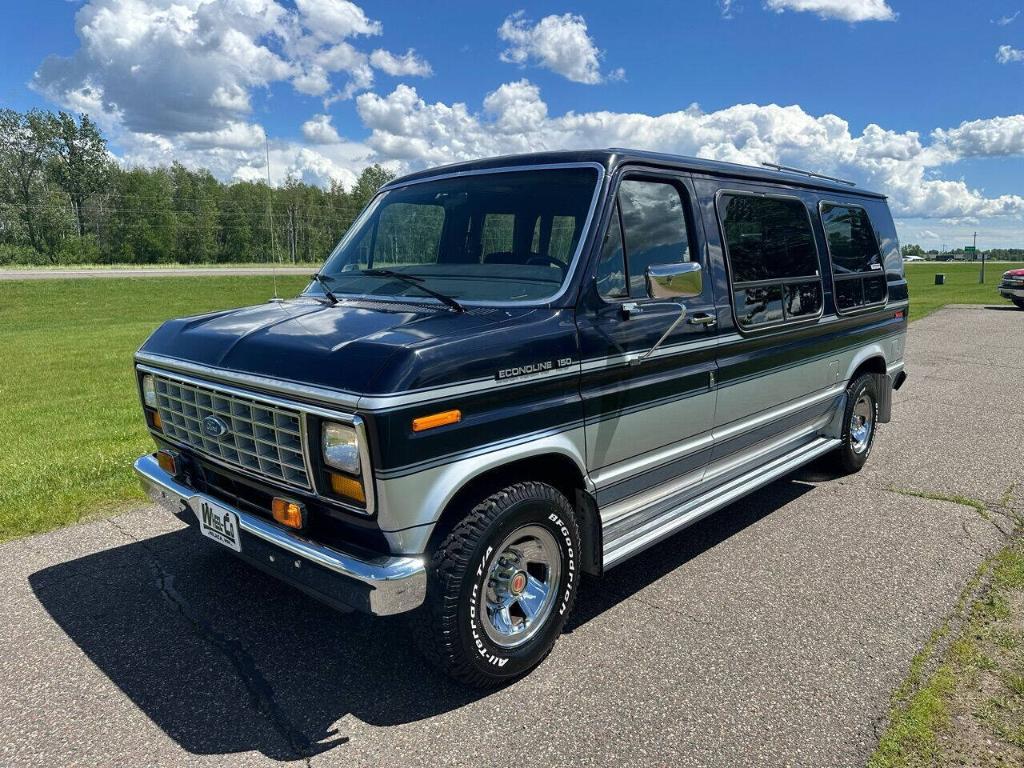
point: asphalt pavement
(770, 634)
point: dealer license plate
(217, 522)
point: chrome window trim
(758, 330)
(574, 262)
(304, 411)
(828, 249)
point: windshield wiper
(415, 282)
(322, 280)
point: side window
(611, 269)
(654, 226)
(560, 237)
(856, 262)
(648, 227)
(772, 257)
(497, 234)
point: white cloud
(336, 19)
(1008, 54)
(175, 79)
(318, 130)
(406, 64)
(729, 8)
(927, 234)
(844, 10)
(559, 43)
(993, 137)
(1002, 21)
(407, 129)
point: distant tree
(26, 144)
(370, 180)
(912, 250)
(80, 162)
(196, 200)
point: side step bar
(673, 520)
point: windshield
(494, 237)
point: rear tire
(1019, 303)
(859, 421)
(501, 586)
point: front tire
(1018, 302)
(501, 586)
(859, 421)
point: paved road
(75, 274)
(769, 635)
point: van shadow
(225, 659)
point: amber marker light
(348, 487)
(442, 419)
(167, 461)
(157, 422)
(287, 512)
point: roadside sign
(970, 249)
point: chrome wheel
(862, 421)
(519, 593)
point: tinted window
(468, 237)
(407, 234)
(655, 228)
(773, 259)
(767, 238)
(856, 261)
(497, 235)
(851, 240)
(611, 269)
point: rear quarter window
(857, 269)
(773, 259)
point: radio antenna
(270, 217)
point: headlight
(149, 390)
(340, 447)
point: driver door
(649, 422)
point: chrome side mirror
(674, 281)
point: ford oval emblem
(214, 426)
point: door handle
(703, 318)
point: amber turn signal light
(436, 420)
(155, 420)
(348, 487)
(168, 462)
(288, 512)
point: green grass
(961, 286)
(70, 422)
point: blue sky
(919, 99)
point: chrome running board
(674, 519)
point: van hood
(356, 346)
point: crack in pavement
(261, 692)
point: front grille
(261, 438)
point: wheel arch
(561, 469)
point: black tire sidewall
(493, 660)
(863, 384)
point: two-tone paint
(650, 447)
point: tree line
(65, 200)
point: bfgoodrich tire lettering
(463, 569)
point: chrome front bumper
(381, 586)
(1012, 293)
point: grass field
(70, 424)
(69, 414)
(961, 286)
